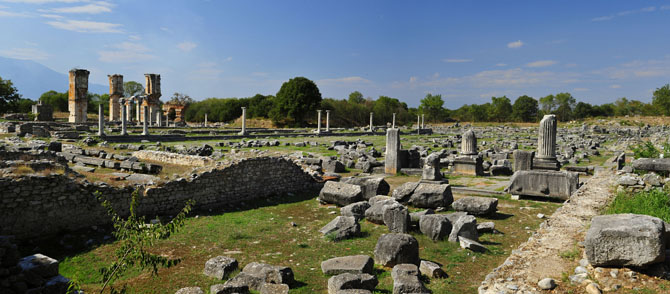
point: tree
(260, 105)
(132, 88)
(431, 105)
(180, 99)
(501, 109)
(9, 95)
(297, 98)
(57, 100)
(661, 100)
(356, 97)
(548, 104)
(172, 114)
(525, 109)
(582, 110)
(565, 103)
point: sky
(466, 51)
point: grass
(262, 232)
(654, 202)
(572, 254)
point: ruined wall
(152, 90)
(33, 206)
(173, 158)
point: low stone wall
(173, 158)
(33, 206)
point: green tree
(583, 110)
(525, 109)
(297, 98)
(260, 105)
(179, 98)
(661, 100)
(501, 109)
(548, 104)
(431, 105)
(356, 97)
(565, 103)
(57, 100)
(9, 95)
(132, 88)
(24, 105)
(172, 114)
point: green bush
(655, 202)
(646, 150)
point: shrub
(654, 202)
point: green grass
(655, 202)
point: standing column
(318, 123)
(423, 125)
(145, 129)
(151, 116)
(418, 124)
(546, 145)
(371, 127)
(469, 143)
(159, 120)
(391, 160)
(124, 132)
(205, 120)
(101, 121)
(137, 112)
(244, 121)
(327, 120)
(393, 124)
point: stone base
(242, 133)
(546, 164)
(544, 183)
(467, 165)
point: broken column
(327, 120)
(152, 90)
(393, 124)
(244, 121)
(545, 158)
(138, 107)
(423, 125)
(318, 123)
(145, 125)
(469, 162)
(391, 160)
(101, 120)
(77, 102)
(115, 93)
(129, 109)
(418, 124)
(371, 125)
(124, 120)
(43, 112)
(160, 118)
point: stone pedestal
(523, 160)
(544, 183)
(392, 160)
(115, 93)
(431, 169)
(545, 158)
(468, 165)
(77, 102)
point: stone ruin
(43, 112)
(469, 163)
(545, 158)
(77, 102)
(115, 93)
(152, 90)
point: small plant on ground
(654, 202)
(135, 237)
(646, 150)
(571, 254)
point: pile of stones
(31, 274)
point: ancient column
(77, 102)
(418, 124)
(101, 120)
(137, 108)
(371, 126)
(545, 158)
(423, 125)
(318, 123)
(151, 117)
(152, 91)
(393, 124)
(327, 120)
(145, 126)
(115, 93)
(244, 121)
(129, 110)
(469, 143)
(160, 118)
(124, 131)
(391, 159)
(205, 120)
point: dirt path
(539, 257)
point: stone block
(370, 186)
(394, 248)
(357, 210)
(476, 205)
(468, 165)
(523, 160)
(552, 184)
(396, 218)
(652, 164)
(355, 264)
(342, 227)
(404, 191)
(220, 267)
(431, 196)
(349, 281)
(435, 226)
(340, 193)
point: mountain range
(32, 78)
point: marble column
(101, 121)
(145, 128)
(137, 112)
(318, 123)
(418, 124)
(205, 120)
(371, 126)
(327, 120)
(393, 123)
(545, 158)
(159, 119)
(423, 125)
(244, 121)
(391, 159)
(469, 143)
(124, 114)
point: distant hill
(32, 78)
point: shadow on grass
(498, 216)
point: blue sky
(467, 51)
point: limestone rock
(435, 226)
(270, 273)
(406, 279)
(431, 269)
(340, 193)
(476, 205)
(485, 227)
(375, 213)
(432, 196)
(471, 244)
(652, 164)
(220, 267)
(370, 186)
(342, 227)
(415, 217)
(351, 281)
(39, 265)
(547, 284)
(625, 240)
(270, 288)
(332, 166)
(396, 218)
(464, 226)
(234, 285)
(355, 264)
(190, 290)
(357, 210)
(544, 183)
(394, 248)
(404, 191)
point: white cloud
(343, 81)
(627, 12)
(541, 63)
(164, 29)
(4, 13)
(98, 7)
(84, 26)
(125, 52)
(515, 44)
(134, 37)
(615, 86)
(456, 60)
(186, 46)
(637, 69)
(25, 53)
(53, 16)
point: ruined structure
(469, 162)
(77, 103)
(152, 90)
(391, 160)
(115, 93)
(43, 112)
(545, 158)
(244, 122)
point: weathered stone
(370, 186)
(652, 164)
(485, 227)
(431, 196)
(392, 159)
(40, 265)
(77, 99)
(393, 248)
(432, 269)
(415, 217)
(332, 166)
(190, 290)
(342, 227)
(523, 160)
(546, 183)
(355, 264)
(270, 288)
(357, 210)
(396, 218)
(625, 240)
(652, 179)
(476, 205)
(270, 273)
(404, 191)
(468, 165)
(464, 226)
(220, 267)
(375, 214)
(435, 226)
(473, 245)
(340, 193)
(546, 145)
(628, 180)
(406, 279)
(238, 284)
(351, 281)
(547, 284)
(431, 168)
